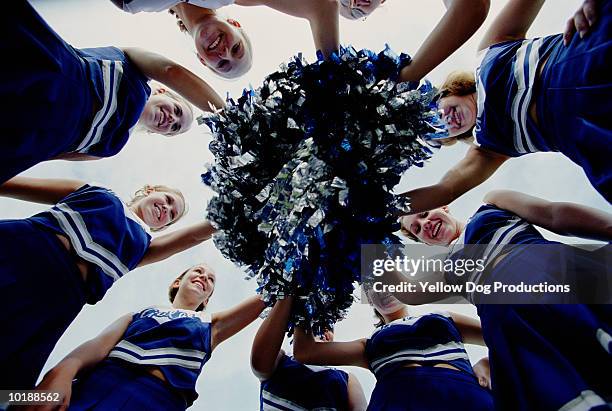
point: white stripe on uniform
(109, 106)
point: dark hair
(172, 290)
(457, 83)
(381, 319)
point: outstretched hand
(483, 372)
(582, 21)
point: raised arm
(39, 190)
(512, 22)
(559, 217)
(356, 397)
(475, 168)
(167, 245)
(229, 322)
(469, 327)
(59, 378)
(266, 349)
(323, 16)
(177, 77)
(308, 351)
(459, 23)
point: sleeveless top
(102, 231)
(178, 342)
(136, 6)
(505, 84)
(495, 231)
(298, 387)
(428, 339)
(120, 92)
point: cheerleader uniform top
(136, 6)
(298, 387)
(428, 339)
(102, 231)
(177, 342)
(505, 84)
(495, 230)
(120, 92)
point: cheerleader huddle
(526, 95)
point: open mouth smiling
(436, 229)
(212, 46)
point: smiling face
(195, 286)
(435, 227)
(166, 115)
(358, 9)
(385, 303)
(223, 46)
(459, 113)
(159, 208)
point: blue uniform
(62, 99)
(298, 387)
(177, 342)
(428, 340)
(572, 98)
(41, 288)
(543, 357)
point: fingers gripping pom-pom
(303, 172)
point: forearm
(269, 339)
(429, 198)
(325, 29)
(512, 22)
(175, 76)
(192, 87)
(563, 218)
(39, 190)
(229, 322)
(167, 245)
(459, 23)
(581, 221)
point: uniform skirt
(431, 389)
(45, 89)
(574, 105)
(41, 292)
(547, 356)
(116, 386)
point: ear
(159, 90)
(148, 189)
(446, 209)
(176, 283)
(234, 23)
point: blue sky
(226, 382)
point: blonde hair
(458, 83)
(148, 188)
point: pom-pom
(304, 171)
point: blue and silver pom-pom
(304, 169)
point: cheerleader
(543, 357)
(420, 362)
(222, 44)
(529, 95)
(71, 255)
(82, 104)
(151, 360)
(288, 384)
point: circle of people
(527, 95)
